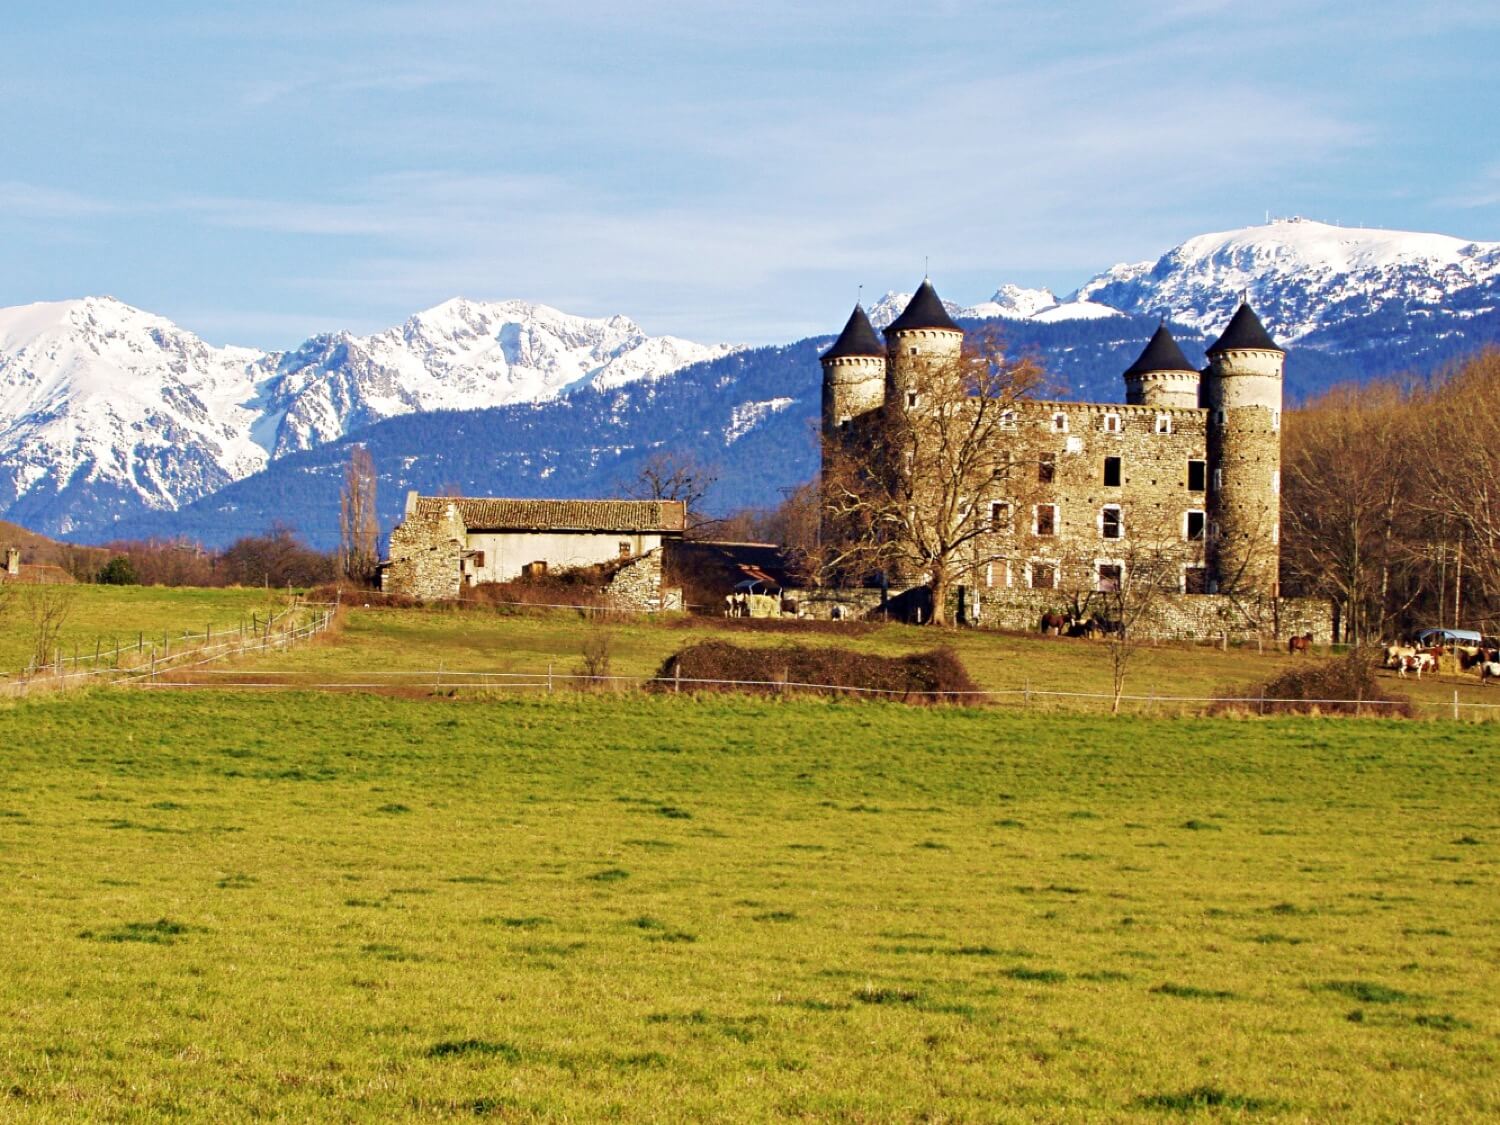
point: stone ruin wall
(425, 556)
(637, 586)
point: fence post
(1027, 693)
(549, 677)
(676, 677)
(1455, 704)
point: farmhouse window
(1109, 577)
(1110, 524)
(1193, 528)
(997, 573)
(478, 560)
(999, 516)
(1043, 576)
(1059, 423)
(1111, 472)
(1197, 475)
(1164, 423)
(624, 548)
(1046, 519)
(1195, 580)
(1046, 467)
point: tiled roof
(484, 513)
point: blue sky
(723, 171)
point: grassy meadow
(470, 640)
(126, 615)
(355, 907)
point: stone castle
(1194, 454)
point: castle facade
(1191, 456)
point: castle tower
(922, 335)
(853, 373)
(1242, 391)
(1162, 376)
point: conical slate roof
(1245, 331)
(925, 310)
(1161, 354)
(857, 339)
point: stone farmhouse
(1192, 455)
(446, 543)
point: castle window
(1110, 424)
(1007, 419)
(1195, 580)
(911, 398)
(1046, 519)
(1164, 423)
(1046, 467)
(1192, 527)
(1042, 576)
(999, 516)
(1111, 472)
(1197, 475)
(1111, 524)
(1109, 577)
(1059, 423)
(844, 422)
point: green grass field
(128, 615)
(452, 641)
(353, 907)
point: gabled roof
(1245, 332)
(484, 513)
(857, 339)
(924, 310)
(1161, 354)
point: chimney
(13, 561)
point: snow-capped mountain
(1013, 302)
(1306, 278)
(459, 355)
(106, 409)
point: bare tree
(359, 526)
(911, 490)
(46, 607)
(675, 476)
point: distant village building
(448, 542)
(1197, 452)
(32, 574)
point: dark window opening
(1043, 576)
(1046, 468)
(478, 560)
(911, 398)
(999, 516)
(1046, 519)
(624, 548)
(1109, 577)
(1195, 580)
(1109, 523)
(1195, 524)
(1111, 472)
(1197, 475)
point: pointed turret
(1162, 375)
(857, 339)
(924, 310)
(1244, 332)
(853, 373)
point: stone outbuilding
(445, 543)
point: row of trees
(1391, 504)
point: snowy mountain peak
(1300, 275)
(1016, 302)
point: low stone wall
(1173, 617)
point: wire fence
(550, 680)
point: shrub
(119, 571)
(1346, 685)
(917, 678)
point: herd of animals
(1409, 658)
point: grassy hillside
(653, 909)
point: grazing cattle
(1418, 662)
(1053, 623)
(1489, 670)
(1300, 646)
(1396, 655)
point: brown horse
(1299, 646)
